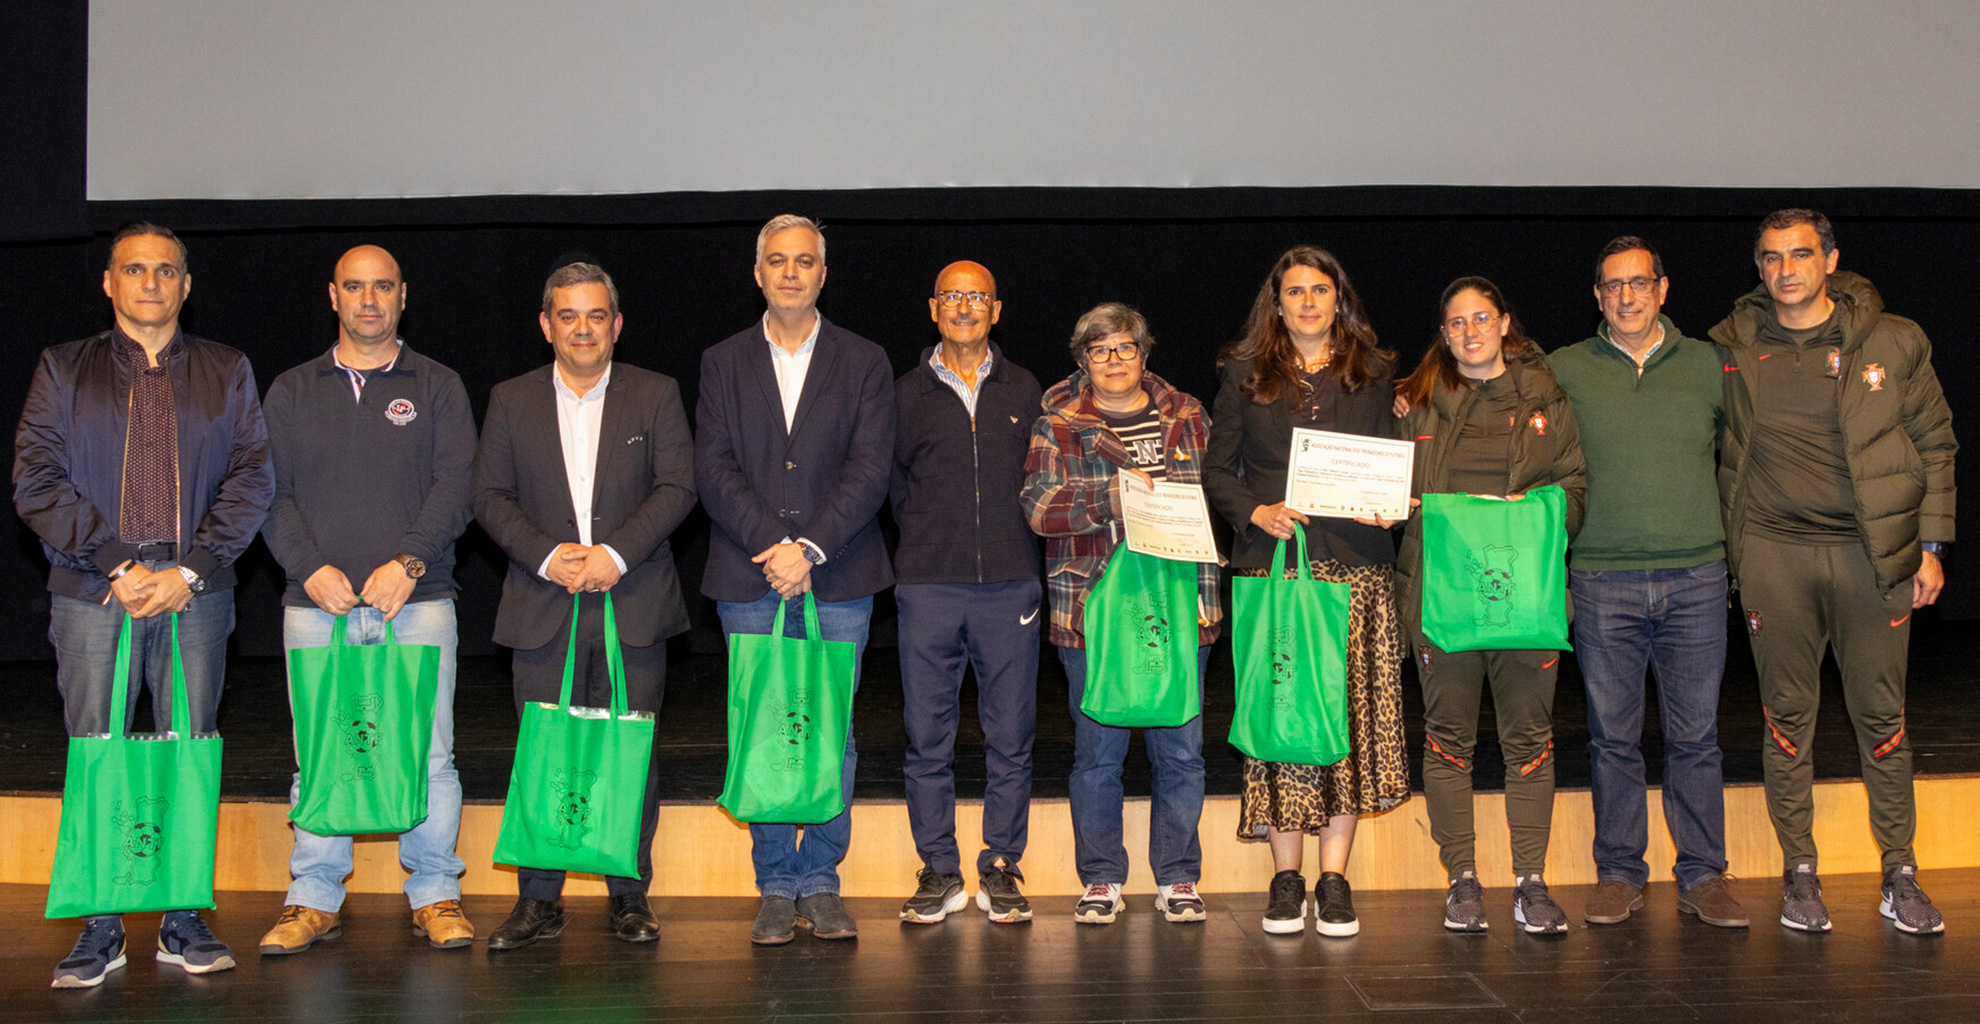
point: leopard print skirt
(1375, 775)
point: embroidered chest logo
(1538, 421)
(1873, 375)
(1835, 362)
(401, 411)
(1752, 623)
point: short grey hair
(573, 274)
(785, 222)
(1109, 318)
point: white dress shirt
(579, 419)
(791, 367)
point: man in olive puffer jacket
(1836, 483)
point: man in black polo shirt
(373, 446)
(1836, 483)
(967, 587)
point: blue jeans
(320, 864)
(1673, 622)
(992, 627)
(786, 866)
(84, 635)
(1175, 805)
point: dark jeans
(84, 635)
(1175, 803)
(992, 627)
(788, 862)
(1671, 622)
(539, 677)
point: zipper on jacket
(976, 483)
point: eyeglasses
(1456, 325)
(1639, 285)
(976, 300)
(1126, 352)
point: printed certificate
(1348, 476)
(1167, 520)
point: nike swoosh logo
(1767, 355)
(1425, 437)
(1026, 620)
(1730, 368)
(1549, 663)
(1895, 623)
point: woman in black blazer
(1309, 358)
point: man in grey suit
(584, 469)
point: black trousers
(539, 676)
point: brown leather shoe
(1611, 903)
(443, 924)
(298, 929)
(1712, 901)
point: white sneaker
(1100, 905)
(1179, 902)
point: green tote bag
(1141, 643)
(140, 812)
(364, 724)
(1289, 640)
(578, 787)
(1495, 572)
(790, 711)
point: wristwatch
(414, 567)
(193, 582)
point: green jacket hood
(1859, 303)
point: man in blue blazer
(795, 443)
(585, 468)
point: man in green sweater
(1648, 578)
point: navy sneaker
(99, 950)
(184, 941)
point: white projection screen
(297, 99)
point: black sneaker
(1907, 905)
(936, 896)
(1535, 909)
(997, 894)
(1285, 910)
(98, 951)
(1333, 906)
(1464, 905)
(1801, 900)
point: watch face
(415, 568)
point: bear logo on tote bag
(361, 736)
(1496, 584)
(143, 830)
(573, 791)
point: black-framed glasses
(1126, 352)
(1640, 285)
(976, 300)
(1481, 321)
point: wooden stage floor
(1403, 967)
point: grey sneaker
(1535, 910)
(997, 895)
(935, 897)
(1179, 902)
(1285, 907)
(1101, 904)
(1907, 905)
(1333, 907)
(776, 921)
(1801, 900)
(1464, 905)
(826, 915)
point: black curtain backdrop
(1191, 259)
